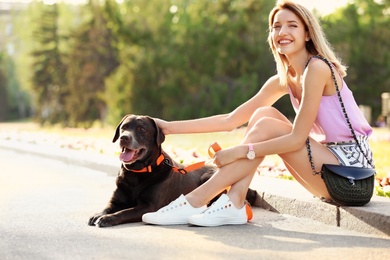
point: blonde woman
(296, 40)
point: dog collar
(148, 168)
(162, 158)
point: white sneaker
(175, 213)
(222, 212)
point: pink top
(330, 124)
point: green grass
(380, 144)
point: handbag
(346, 185)
(349, 186)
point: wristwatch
(251, 154)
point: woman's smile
(284, 42)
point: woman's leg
(239, 174)
(266, 123)
(301, 181)
(299, 165)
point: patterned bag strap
(344, 112)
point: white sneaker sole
(157, 220)
(216, 222)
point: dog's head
(140, 141)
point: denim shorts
(349, 154)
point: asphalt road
(45, 205)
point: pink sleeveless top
(330, 124)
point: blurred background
(88, 63)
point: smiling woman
(305, 63)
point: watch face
(251, 155)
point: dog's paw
(92, 220)
(106, 221)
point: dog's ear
(118, 128)
(160, 137)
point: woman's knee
(263, 113)
(267, 128)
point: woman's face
(288, 33)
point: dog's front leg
(92, 220)
(121, 217)
(119, 201)
(115, 205)
(107, 211)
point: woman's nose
(282, 30)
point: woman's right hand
(162, 124)
(228, 155)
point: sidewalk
(282, 196)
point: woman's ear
(307, 37)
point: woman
(295, 38)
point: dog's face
(139, 139)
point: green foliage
(193, 58)
(175, 59)
(361, 39)
(48, 68)
(382, 191)
(3, 91)
(16, 101)
(91, 60)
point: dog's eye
(141, 129)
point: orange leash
(189, 168)
(215, 147)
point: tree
(362, 41)
(49, 70)
(191, 59)
(3, 91)
(178, 59)
(92, 59)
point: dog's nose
(125, 138)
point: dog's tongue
(126, 155)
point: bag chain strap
(345, 114)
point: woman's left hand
(226, 156)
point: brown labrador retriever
(148, 178)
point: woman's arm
(268, 94)
(316, 77)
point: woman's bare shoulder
(274, 84)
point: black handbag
(346, 185)
(349, 186)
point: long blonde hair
(317, 45)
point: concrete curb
(289, 197)
(282, 196)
